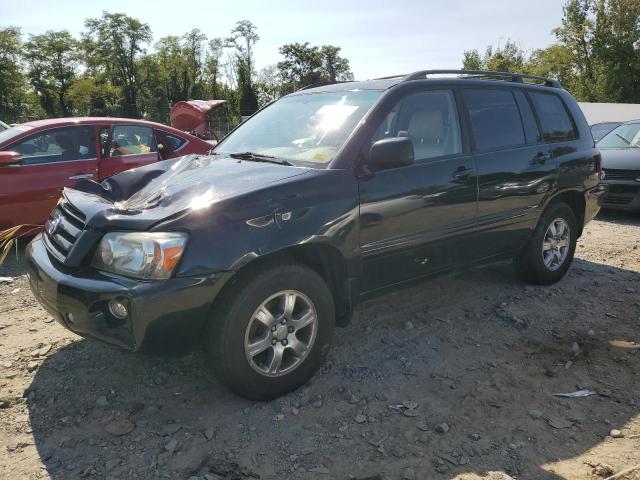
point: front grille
(62, 230)
(617, 200)
(615, 174)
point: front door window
(57, 145)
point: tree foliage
(305, 64)
(52, 64)
(596, 56)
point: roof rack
(480, 74)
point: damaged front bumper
(163, 316)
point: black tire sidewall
(531, 262)
(227, 331)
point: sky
(379, 38)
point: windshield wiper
(259, 157)
(628, 142)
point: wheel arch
(576, 201)
(324, 259)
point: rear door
(418, 219)
(126, 146)
(51, 159)
(517, 171)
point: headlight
(146, 255)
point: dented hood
(140, 197)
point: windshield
(9, 133)
(306, 130)
(624, 136)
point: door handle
(540, 158)
(463, 172)
(81, 176)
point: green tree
(52, 59)
(334, 67)
(472, 60)
(213, 67)
(193, 46)
(616, 49)
(115, 41)
(301, 65)
(510, 58)
(13, 96)
(92, 96)
(243, 38)
(576, 34)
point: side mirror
(10, 158)
(391, 153)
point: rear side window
(495, 119)
(173, 142)
(554, 119)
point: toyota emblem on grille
(52, 225)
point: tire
(540, 268)
(239, 329)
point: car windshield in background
(9, 133)
(306, 130)
(599, 130)
(624, 136)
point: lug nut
(273, 342)
(273, 329)
(284, 342)
(284, 321)
(290, 329)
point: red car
(38, 158)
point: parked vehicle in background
(206, 119)
(3, 126)
(621, 167)
(325, 197)
(38, 158)
(599, 130)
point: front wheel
(271, 330)
(549, 253)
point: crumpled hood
(621, 158)
(143, 196)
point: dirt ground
(451, 379)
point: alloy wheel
(281, 333)
(556, 243)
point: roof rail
(480, 74)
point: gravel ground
(450, 379)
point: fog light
(118, 309)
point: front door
(418, 219)
(51, 159)
(125, 147)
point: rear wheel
(270, 330)
(549, 253)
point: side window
(554, 118)
(131, 140)
(429, 119)
(495, 119)
(171, 142)
(58, 145)
(528, 119)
